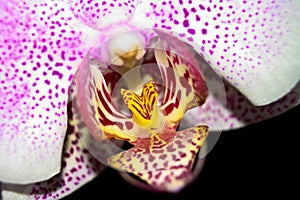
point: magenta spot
(47, 82)
(44, 49)
(201, 7)
(72, 58)
(50, 58)
(193, 10)
(185, 23)
(58, 64)
(191, 31)
(186, 13)
(57, 73)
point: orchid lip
(140, 184)
(143, 105)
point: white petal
(238, 111)
(226, 108)
(79, 167)
(40, 51)
(253, 45)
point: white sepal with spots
(41, 46)
(253, 45)
(78, 168)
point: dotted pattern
(165, 168)
(226, 108)
(40, 48)
(238, 111)
(247, 42)
(98, 13)
(78, 167)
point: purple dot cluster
(97, 13)
(243, 112)
(236, 38)
(239, 111)
(35, 61)
(39, 54)
(77, 166)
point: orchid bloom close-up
(143, 87)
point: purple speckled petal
(78, 168)
(99, 13)
(168, 167)
(40, 46)
(253, 45)
(226, 108)
(238, 111)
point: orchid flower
(57, 95)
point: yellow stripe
(142, 105)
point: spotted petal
(99, 14)
(253, 45)
(226, 108)
(78, 168)
(166, 167)
(40, 49)
(238, 111)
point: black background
(257, 161)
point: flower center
(144, 106)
